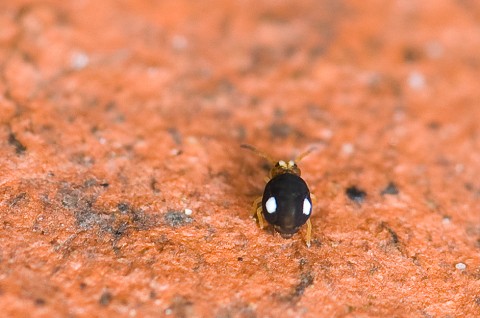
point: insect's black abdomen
(291, 205)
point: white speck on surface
(271, 205)
(416, 80)
(434, 50)
(307, 206)
(168, 311)
(179, 42)
(326, 134)
(446, 220)
(348, 149)
(459, 168)
(188, 211)
(460, 266)
(79, 60)
(175, 152)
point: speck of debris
(105, 298)
(13, 141)
(40, 302)
(177, 219)
(306, 279)
(123, 207)
(394, 235)
(390, 189)
(446, 220)
(411, 54)
(188, 212)
(461, 266)
(355, 194)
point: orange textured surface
(116, 116)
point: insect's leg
(255, 205)
(261, 220)
(308, 237)
(257, 211)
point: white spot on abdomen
(271, 205)
(307, 207)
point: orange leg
(257, 211)
(308, 237)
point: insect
(286, 202)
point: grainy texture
(116, 116)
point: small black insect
(286, 202)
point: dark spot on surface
(281, 130)
(18, 198)
(123, 207)
(477, 300)
(19, 147)
(81, 201)
(81, 205)
(266, 166)
(411, 54)
(90, 182)
(394, 238)
(82, 159)
(355, 194)
(154, 185)
(177, 219)
(176, 136)
(105, 298)
(306, 280)
(83, 286)
(416, 260)
(240, 133)
(393, 235)
(390, 189)
(303, 262)
(237, 309)
(181, 307)
(433, 125)
(40, 302)
(240, 259)
(153, 294)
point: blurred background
(116, 116)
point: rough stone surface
(116, 116)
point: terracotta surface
(116, 116)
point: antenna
(304, 154)
(258, 152)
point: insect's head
(281, 167)
(285, 167)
